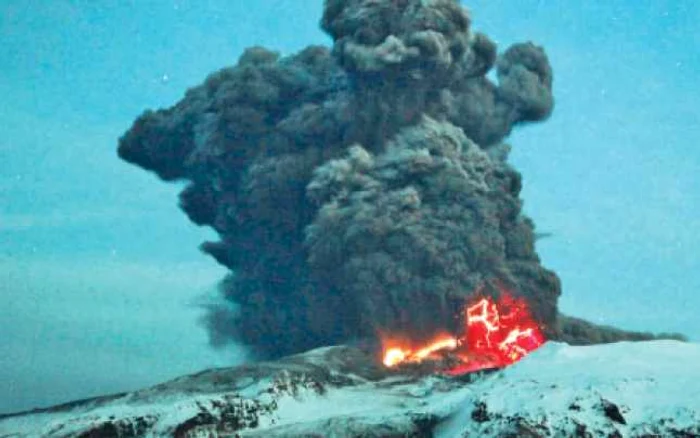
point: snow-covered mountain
(648, 389)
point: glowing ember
(497, 334)
(440, 345)
(396, 355)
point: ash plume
(360, 188)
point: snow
(653, 386)
(651, 382)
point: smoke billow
(359, 188)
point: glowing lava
(504, 329)
(395, 355)
(497, 333)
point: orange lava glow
(395, 354)
(497, 333)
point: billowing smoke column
(360, 189)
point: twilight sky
(100, 275)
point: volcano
(646, 389)
(363, 188)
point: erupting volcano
(366, 187)
(496, 333)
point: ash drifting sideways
(365, 188)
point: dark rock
(184, 429)
(104, 430)
(581, 431)
(575, 407)
(612, 411)
(480, 413)
(131, 427)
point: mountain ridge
(626, 389)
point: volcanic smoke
(365, 188)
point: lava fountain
(497, 332)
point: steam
(360, 188)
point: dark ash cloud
(363, 187)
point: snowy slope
(624, 390)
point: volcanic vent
(363, 189)
(496, 333)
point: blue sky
(100, 273)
